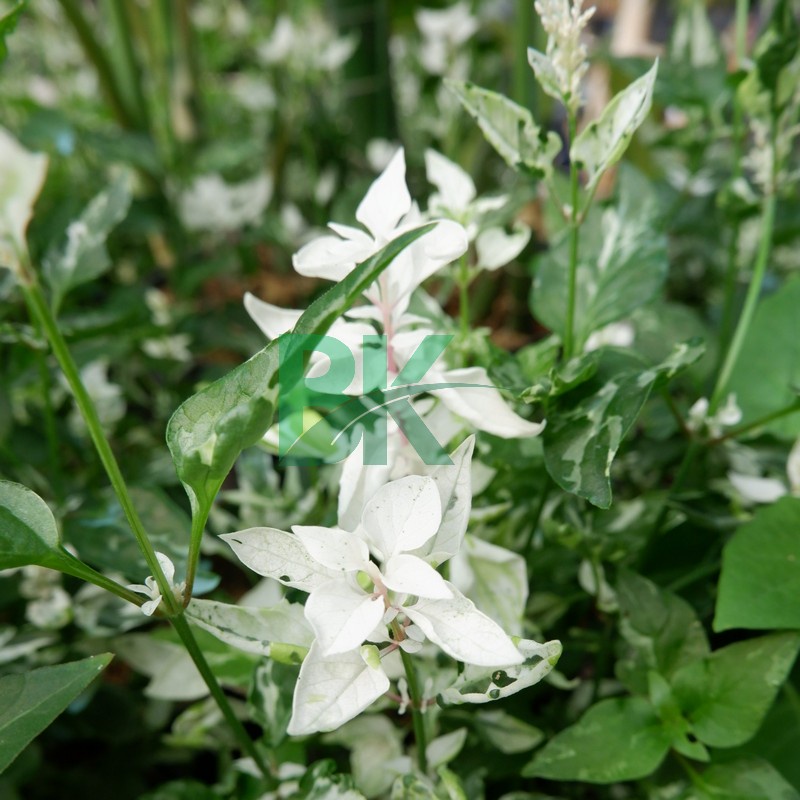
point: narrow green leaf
(588, 424)
(83, 257)
(622, 263)
(603, 141)
(662, 631)
(760, 582)
(725, 696)
(509, 128)
(30, 701)
(209, 430)
(615, 740)
(746, 779)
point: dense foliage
(488, 489)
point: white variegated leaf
(603, 141)
(332, 690)
(480, 685)
(280, 555)
(411, 575)
(463, 632)
(252, 629)
(337, 550)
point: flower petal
(755, 489)
(337, 550)
(455, 186)
(167, 567)
(342, 615)
(149, 608)
(463, 632)
(409, 574)
(328, 257)
(332, 690)
(402, 515)
(273, 320)
(484, 406)
(280, 555)
(387, 200)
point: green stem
(534, 523)
(42, 314)
(463, 296)
(196, 538)
(742, 16)
(753, 293)
(70, 565)
(416, 711)
(193, 648)
(760, 422)
(95, 54)
(50, 423)
(569, 325)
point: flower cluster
(561, 69)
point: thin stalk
(41, 313)
(534, 524)
(193, 648)
(195, 539)
(101, 63)
(416, 711)
(523, 29)
(50, 423)
(742, 17)
(751, 300)
(758, 423)
(569, 325)
(463, 296)
(75, 567)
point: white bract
(376, 585)
(443, 32)
(150, 586)
(210, 204)
(456, 198)
(22, 175)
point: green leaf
(615, 740)
(209, 430)
(726, 695)
(509, 128)
(622, 263)
(30, 701)
(8, 22)
(603, 141)
(587, 425)
(662, 631)
(84, 257)
(507, 734)
(28, 532)
(746, 779)
(771, 351)
(760, 582)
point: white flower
(725, 417)
(150, 586)
(361, 582)
(456, 198)
(443, 32)
(757, 489)
(210, 204)
(22, 175)
(561, 69)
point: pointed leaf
(615, 740)
(30, 701)
(252, 629)
(280, 555)
(603, 141)
(760, 582)
(209, 430)
(332, 690)
(463, 632)
(482, 685)
(726, 695)
(509, 128)
(745, 779)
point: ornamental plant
(505, 506)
